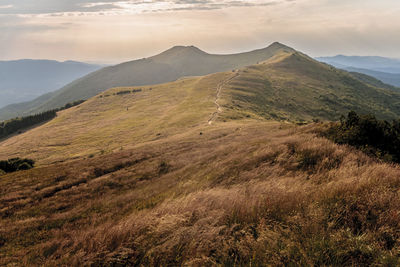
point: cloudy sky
(115, 31)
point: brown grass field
(259, 193)
(142, 179)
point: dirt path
(219, 89)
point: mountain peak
(278, 45)
(179, 49)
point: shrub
(24, 166)
(163, 168)
(16, 164)
(365, 132)
(123, 92)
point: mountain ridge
(289, 86)
(296, 87)
(167, 66)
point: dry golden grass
(241, 193)
(105, 124)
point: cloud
(18, 25)
(212, 5)
(120, 30)
(130, 6)
(52, 6)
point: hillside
(292, 86)
(194, 172)
(288, 87)
(168, 66)
(110, 121)
(24, 80)
(240, 193)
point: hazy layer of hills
(168, 66)
(382, 64)
(388, 78)
(384, 69)
(206, 171)
(23, 80)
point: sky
(110, 31)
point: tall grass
(282, 197)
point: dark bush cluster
(163, 168)
(365, 132)
(16, 164)
(72, 104)
(15, 125)
(124, 92)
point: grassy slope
(295, 87)
(104, 124)
(243, 191)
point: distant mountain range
(177, 62)
(385, 69)
(23, 80)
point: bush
(16, 164)
(365, 132)
(163, 168)
(123, 92)
(24, 166)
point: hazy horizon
(110, 31)
(105, 62)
